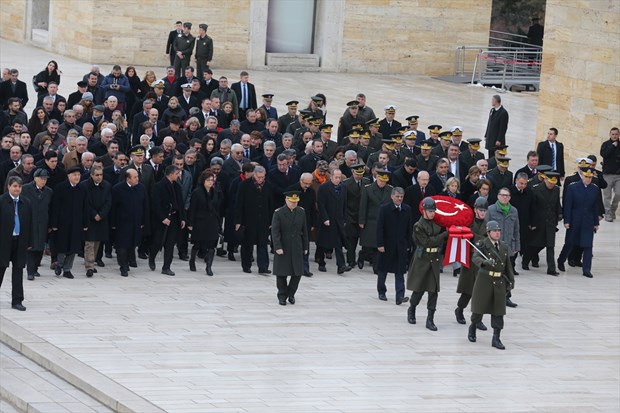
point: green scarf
(504, 208)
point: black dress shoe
(133, 264)
(247, 270)
(382, 297)
(18, 307)
(553, 272)
(574, 263)
(526, 267)
(291, 300)
(36, 274)
(183, 257)
(231, 257)
(220, 252)
(264, 272)
(471, 334)
(167, 271)
(89, 273)
(322, 268)
(341, 270)
(142, 255)
(497, 343)
(561, 266)
(124, 273)
(95, 270)
(57, 270)
(515, 272)
(108, 255)
(282, 301)
(151, 265)
(535, 265)
(480, 326)
(347, 268)
(308, 274)
(31, 277)
(100, 263)
(360, 263)
(67, 274)
(411, 315)
(455, 273)
(510, 304)
(460, 318)
(588, 274)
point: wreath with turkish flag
(451, 211)
(456, 216)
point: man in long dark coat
(69, 220)
(494, 279)
(373, 197)
(496, 126)
(98, 204)
(254, 211)
(332, 203)
(307, 200)
(40, 197)
(354, 187)
(423, 273)
(128, 217)
(289, 234)
(393, 240)
(15, 238)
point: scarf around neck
(504, 208)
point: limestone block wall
(411, 36)
(12, 20)
(580, 81)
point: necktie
(245, 96)
(16, 227)
(422, 192)
(398, 208)
(553, 162)
(140, 171)
(13, 87)
(497, 246)
(156, 167)
(246, 153)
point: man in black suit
(496, 126)
(13, 88)
(16, 238)
(208, 84)
(440, 177)
(416, 193)
(168, 215)
(530, 168)
(177, 32)
(246, 94)
(551, 152)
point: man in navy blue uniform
(581, 220)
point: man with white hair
(74, 157)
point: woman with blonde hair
(174, 109)
(470, 183)
(191, 126)
(147, 81)
(451, 188)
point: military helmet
(481, 203)
(493, 226)
(428, 204)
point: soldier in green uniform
(494, 277)
(426, 161)
(183, 48)
(467, 278)
(376, 137)
(291, 117)
(354, 187)
(423, 275)
(374, 196)
(289, 234)
(204, 50)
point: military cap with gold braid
(292, 104)
(353, 133)
(502, 150)
(587, 172)
(315, 121)
(403, 129)
(446, 136)
(503, 161)
(373, 122)
(292, 196)
(267, 97)
(353, 104)
(358, 169)
(389, 109)
(327, 128)
(383, 175)
(396, 137)
(137, 150)
(552, 177)
(365, 134)
(413, 119)
(426, 145)
(456, 131)
(358, 126)
(584, 162)
(434, 128)
(474, 143)
(388, 143)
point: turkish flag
(451, 211)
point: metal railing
(518, 66)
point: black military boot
(192, 259)
(430, 324)
(460, 318)
(209, 258)
(471, 334)
(411, 315)
(496, 341)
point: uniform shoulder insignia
(367, 185)
(301, 208)
(594, 184)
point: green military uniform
(423, 274)
(351, 229)
(289, 233)
(185, 45)
(372, 199)
(489, 294)
(204, 54)
(426, 164)
(467, 277)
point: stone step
(27, 387)
(63, 376)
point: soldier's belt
(431, 249)
(495, 274)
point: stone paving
(193, 343)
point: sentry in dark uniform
(423, 273)
(494, 278)
(204, 50)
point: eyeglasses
(508, 195)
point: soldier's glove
(488, 263)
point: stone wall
(12, 20)
(580, 82)
(411, 36)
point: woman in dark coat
(203, 219)
(45, 76)
(38, 121)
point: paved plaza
(193, 343)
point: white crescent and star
(448, 214)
